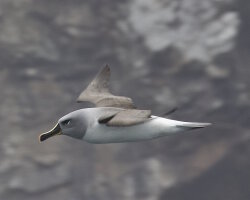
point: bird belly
(157, 127)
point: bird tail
(192, 125)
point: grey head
(73, 124)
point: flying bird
(115, 119)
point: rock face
(197, 28)
(187, 53)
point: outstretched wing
(130, 117)
(98, 93)
(126, 117)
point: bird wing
(127, 117)
(98, 93)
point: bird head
(73, 124)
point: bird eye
(66, 122)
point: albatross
(115, 119)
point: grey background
(193, 54)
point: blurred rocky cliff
(190, 54)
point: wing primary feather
(170, 111)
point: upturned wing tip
(107, 66)
(106, 69)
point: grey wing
(129, 117)
(98, 93)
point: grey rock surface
(197, 28)
(187, 53)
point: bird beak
(55, 131)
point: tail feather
(192, 125)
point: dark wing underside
(98, 93)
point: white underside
(157, 127)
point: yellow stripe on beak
(55, 131)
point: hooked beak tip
(42, 137)
(55, 131)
